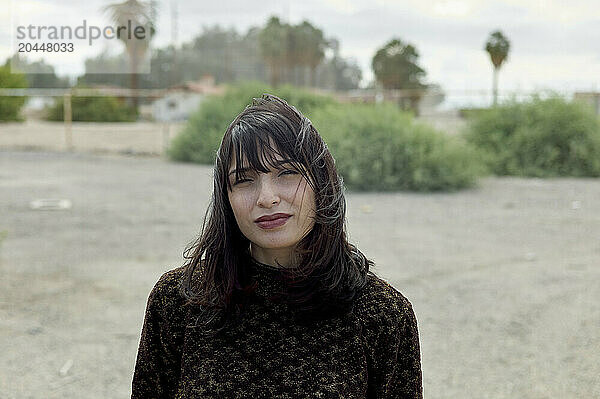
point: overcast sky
(554, 44)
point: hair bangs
(263, 144)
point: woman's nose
(267, 195)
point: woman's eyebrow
(276, 163)
(242, 170)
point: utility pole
(174, 23)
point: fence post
(166, 137)
(68, 116)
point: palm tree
(290, 49)
(134, 14)
(396, 67)
(316, 49)
(273, 47)
(497, 47)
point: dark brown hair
(330, 271)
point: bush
(10, 107)
(200, 139)
(375, 147)
(470, 113)
(379, 147)
(540, 138)
(94, 109)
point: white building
(180, 101)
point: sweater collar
(269, 279)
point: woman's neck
(272, 257)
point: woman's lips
(271, 224)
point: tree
(38, 73)
(105, 62)
(395, 67)
(217, 47)
(497, 47)
(273, 47)
(288, 49)
(275, 52)
(337, 73)
(11, 106)
(135, 15)
(309, 49)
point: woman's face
(273, 210)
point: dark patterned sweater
(370, 352)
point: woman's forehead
(274, 161)
(265, 155)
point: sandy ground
(504, 278)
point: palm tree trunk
(495, 86)
(133, 81)
(274, 70)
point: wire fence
(68, 93)
(441, 108)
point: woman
(273, 302)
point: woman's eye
(240, 181)
(288, 172)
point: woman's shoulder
(379, 302)
(166, 294)
(169, 280)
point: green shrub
(10, 107)
(379, 147)
(375, 147)
(541, 138)
(201, 137)
(470, 113)
(93, 109)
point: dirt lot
(504, 278)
